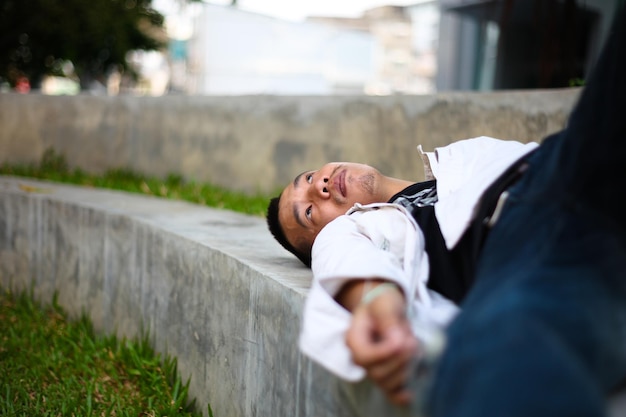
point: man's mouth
(340, 183)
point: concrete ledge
(251, 143)
(211, 286)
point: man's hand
(382, 342)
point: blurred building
(405, 41)
(231, 51)
(237, 52)
(512, 44)
(422, 48)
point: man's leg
(586, 167)
(543, 332)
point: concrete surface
(255, 143)
(211, 286)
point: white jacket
(384, 241)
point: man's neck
(393, 186)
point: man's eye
(309, 178)
(308, 212)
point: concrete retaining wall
(261, 142)
(211, 286)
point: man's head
(315, 198)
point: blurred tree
(38, 36)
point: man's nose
(319, 187)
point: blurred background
(297, 47)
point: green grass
(50, 366)
(54, 167)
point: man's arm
(353, 291)
(349, 252)
(380, 337)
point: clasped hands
(380, 336)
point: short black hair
(277, 231)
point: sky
(298, 9)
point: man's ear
(304, 247)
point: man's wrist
(370, 294)
(352, 293)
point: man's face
(317, 197)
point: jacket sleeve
(464, 170)
(379, 243)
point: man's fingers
(365, 342)
(379, 330)
(393, 374)
(381, 341)
(401, 396)
(402, 347)
(389, 375)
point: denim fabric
(543, 330)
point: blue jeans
(543, 330)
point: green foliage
(54, 167)
(37, 36)
(53, 162)
(576, 82)
(51, 366)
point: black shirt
(453, 271)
